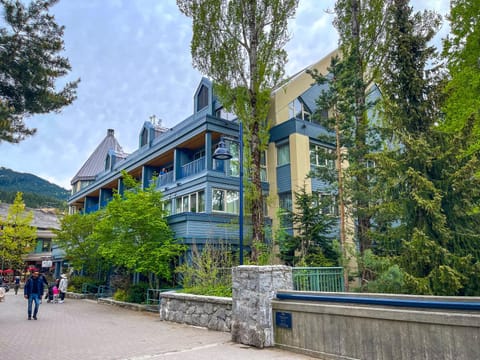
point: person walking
(33, 292)
(63, 288)
(16, 286)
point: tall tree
(425, 176)
(18, 235)
(133, 233)
(30, 63)
(461, 50)
(240, 45)
(361, 28)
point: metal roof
(96, 162)
(42, 218)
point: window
(194, 202)
(327, 201)
(283, 154)
(263, 166)
(108, 162)
(144, 138)
(226, 201)
(297, 109)
(199, 154)
(285, 204)
(224, 114)
(321, 156)
(202, 99)
(46, 245)
(167, 206)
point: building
(46, 255)
(201, 193)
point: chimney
(110, 132)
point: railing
(193, 167)
(153, 297)
(165, 179)
(88, 288)
(104, 291)
(318, 279)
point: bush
(208, 272)
(120, 295)
(137, 293)
(75, 283)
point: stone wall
(253, 288)
(211, 312)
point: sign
(283, 319)
(46, 263)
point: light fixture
(222, 152)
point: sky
(133, 59)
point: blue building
(201, 193)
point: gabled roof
(96, 162)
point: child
(56, 292)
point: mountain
(37, 192)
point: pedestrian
(63, 288)
(16, 286)
(55, 292)
(33, 292)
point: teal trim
(328, 279)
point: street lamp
(222, 153)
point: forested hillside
(37, 192)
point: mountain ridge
(37, 192)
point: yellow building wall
(293, 88)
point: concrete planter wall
(214, 313)
(350, 331)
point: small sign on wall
(46, 263)
(283, 319)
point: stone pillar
(253, 288)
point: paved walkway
(83, 329)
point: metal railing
(88, 288)
(193, 167)
(318, 279)
(153, 297)
(104, 291)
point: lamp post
(222, 153)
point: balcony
(192, 168)
(165, 179)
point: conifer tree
(424, 179)
(30, 64)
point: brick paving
(83, 329)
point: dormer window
(144, 137)
(108, 162)
(202, 98)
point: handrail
(383, 301)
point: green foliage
(460, 51)
(132, 231)
(312, 244)
(30, 65)
(240, 45)
(208, 272)
(137, 293)
(75, 237)
(18, 236)
(76, 282)
(120, 295)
